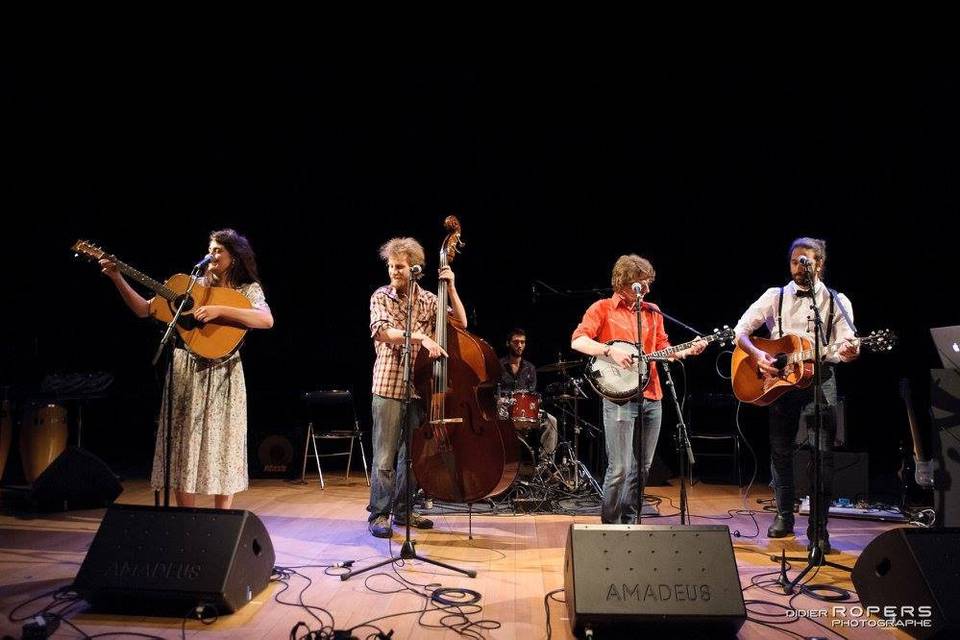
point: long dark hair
(243, 269)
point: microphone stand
(682, 442)
(551, 291)
(638, 420)
(669, 317)
(407, 550)
(816, 556)
(681, 437)
(168, 435)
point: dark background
(710, 171)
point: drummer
(520, 375)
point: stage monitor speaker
(76, 479)
(166, 561)
(913, 577)
(652, 578)
(945, 414)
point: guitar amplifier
(851, 473)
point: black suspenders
(827, 333)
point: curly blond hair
(629, 269)
(406, 247)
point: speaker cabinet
(167, 561)
(913, 576)
(76, 479)
(671, 578)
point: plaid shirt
(388, 309)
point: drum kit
(558, 473)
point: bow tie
(800, 293)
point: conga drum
(6, 433)
(43, 437)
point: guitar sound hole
(186, 308)
(186, 321)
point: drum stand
(571, 469)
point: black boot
(782, 526)
(783, 523)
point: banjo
(615, 383)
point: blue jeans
(388, 488)
(620, 481)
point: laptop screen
(947, 342)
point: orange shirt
(612, 319)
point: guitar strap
(843, 310)
(829, 332)
(780, 312)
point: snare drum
(525, 409)
(43, 437)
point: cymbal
(561, 365)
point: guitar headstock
(722, 336)
(83, 248)
(879, 340)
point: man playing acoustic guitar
(787, 310)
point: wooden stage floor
(518, 559)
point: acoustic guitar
(794, 358)
(210, 340)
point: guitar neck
(806, 355)
(158, 287)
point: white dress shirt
(797, 315)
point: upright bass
(463, 452)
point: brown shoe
(380, 527)
(417, 521)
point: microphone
(416, 271)
(637, 289)
(805, 261)
(203, 263)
